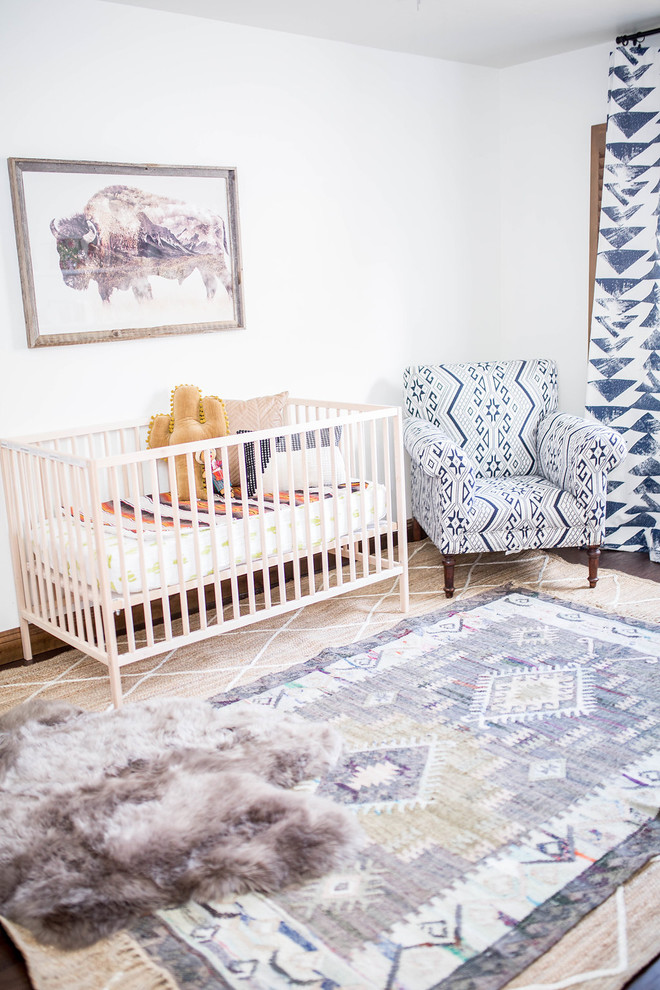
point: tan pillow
(252, 414)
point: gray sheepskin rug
(108, 816)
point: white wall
(547, 110)
(368, 204)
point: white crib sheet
(342, 514)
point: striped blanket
(163, 515)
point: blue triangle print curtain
(623, 388)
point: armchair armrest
(435, 452)
(576, 454)
(442, 483)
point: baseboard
(415, 531)
(11, 647)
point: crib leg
(404, 593)
(25, 639)
(115, 681)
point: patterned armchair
(495, 467)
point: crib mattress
(174, 555)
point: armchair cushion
(511, 514)
(576, 455)
(523, 513)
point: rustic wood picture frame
(154, 251)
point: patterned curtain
(623, 390)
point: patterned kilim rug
(503, 757)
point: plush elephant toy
(193, 417)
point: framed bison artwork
(110, 252)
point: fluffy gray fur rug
(107, 816)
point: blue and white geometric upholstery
(489, 410)
(495, 467)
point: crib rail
(111, 556)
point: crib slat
(123, 449)
(348, 508)
(322, 511)
(261, 522)
(27, 466)
(297, 573)
(231, 539)
(335, 509)
(28, 531)
(249, 569)
(135, 495)
(136, 437)
(192, 488)
(74, 579)
(213, 529)
(124, 588)
(38, 509)
(311, 578)
(363, 501)
(374, 482)
(387, 477)
(176, 517)
(61, 563)
(104, 595)
(277, 506)
(402, 534)
(82, 488)
(164, 597)
(52, 584)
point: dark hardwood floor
(636, 564)
(648, 979)
(14, 976)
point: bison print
(124, 236)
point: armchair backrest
(490, 409)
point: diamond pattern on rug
(384, 776)
(539, 692)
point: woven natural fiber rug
(511, 845)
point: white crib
(103, 548)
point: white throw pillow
(298, 458)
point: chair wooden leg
(448, 565)
(417, 532)
(593, 553)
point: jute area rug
(500, 757)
